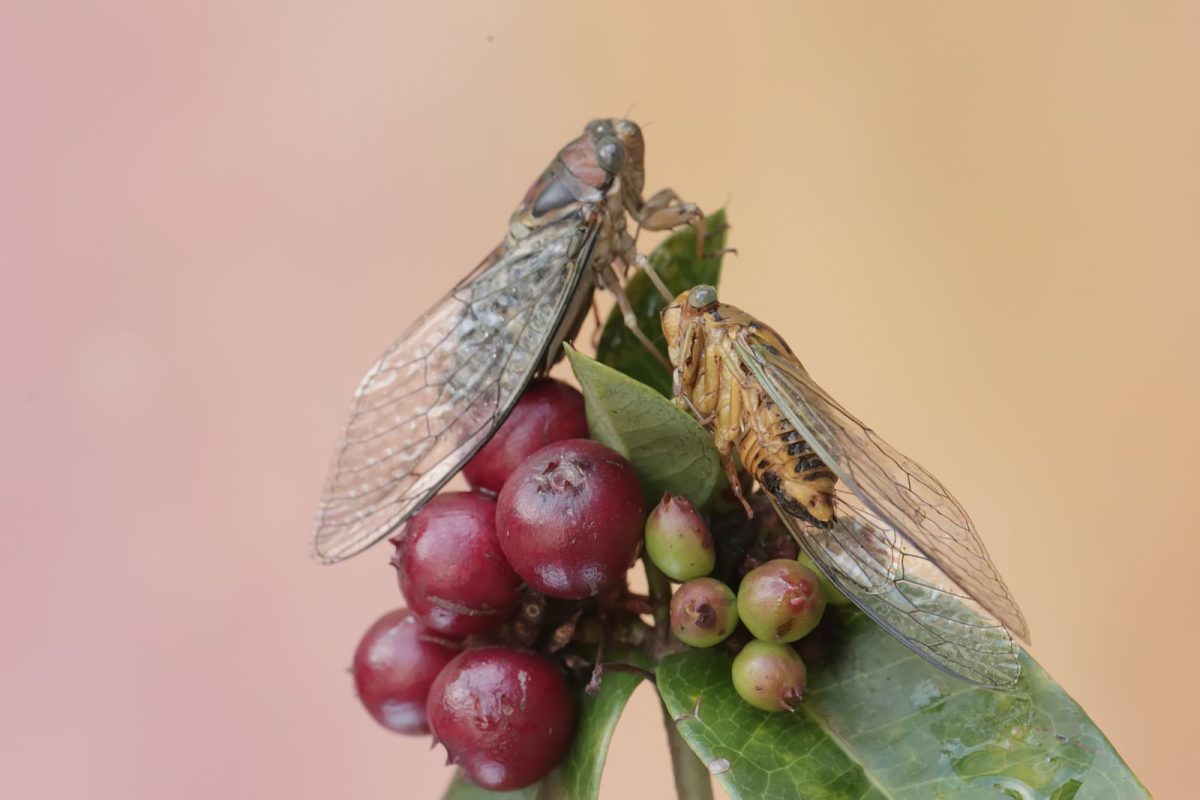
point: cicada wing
(900, 536)
(914, 603)
(441, 390)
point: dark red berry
(452, 572)
(504, 715)
(570, 519)
(394, 666)
(549, 411)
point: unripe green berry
(833, 595)
(703, 612)
(678, 541)
(770, 676)
(780, 601)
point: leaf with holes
(880, 722)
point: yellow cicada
(884, 530)
(444, 387)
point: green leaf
(880, 722)
(669, 449)
(462, 789)
(676, 263)
(598, 718)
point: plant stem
(692, 781)
(660, 599)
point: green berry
(780, 601)
(833, 595)
(770, 676)
(678, 541)
(703, 612)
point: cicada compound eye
(610, 154)
(702, 296)
(600, 127)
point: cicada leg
(683, 377)
(663, 210)
(645, 266)
(599, 330)
(685, 402)
(629, 255)
(608, 279)
(735, 483)
(727, 430)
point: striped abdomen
(786, 467)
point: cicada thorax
(583, 205)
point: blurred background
(978, 224)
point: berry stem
(660, 600)
(631, 669)
(692, 781)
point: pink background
(979, 226)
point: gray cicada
(883, 529)
(443, 388)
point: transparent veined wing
(441, 389)
(901, 546)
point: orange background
(978, 224)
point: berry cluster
(500, 580)
(552, 517)
(779, 601)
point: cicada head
(605, 161)
(609, 150)
(633, 171)
(684, 312)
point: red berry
(452, 571)
(505, 716)
(570, 519)
(394, 666)
(549, 411)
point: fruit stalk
(660, 601)
(692, 781)
(691, 776)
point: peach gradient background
(979, 226)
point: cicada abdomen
(884, 530)
(443, 388)
(786, 466)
